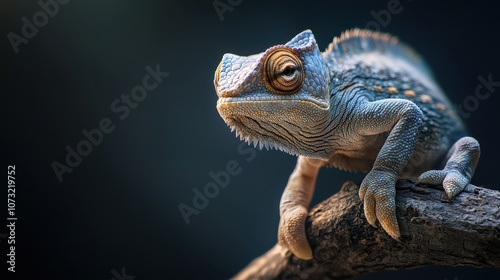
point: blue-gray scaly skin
(366, 104)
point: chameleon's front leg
(294, 207)
(378, 190)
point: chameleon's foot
(453, 181)
(292, 234)
(378, 192)
(463, 158)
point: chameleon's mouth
(271, 100)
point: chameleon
(368, 103)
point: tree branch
(434, 231)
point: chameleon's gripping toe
(292, 234)
(378, 192)
(463, 158)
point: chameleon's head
(276, 98)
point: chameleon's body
(366, 104)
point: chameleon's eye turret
(283, 71)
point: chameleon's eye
(283, 71)
(289, 71)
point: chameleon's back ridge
(367, 104)
(361, 41)
(384, 53)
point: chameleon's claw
(378, 194)
(386, 213)
(454, 183)
(370, 211)
(292, 234)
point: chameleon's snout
(217, 77)
(234, 74)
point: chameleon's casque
(368, 103)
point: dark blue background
(119, 207)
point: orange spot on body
(392, 90)
(410, 93)
(441, 107)
(425, 98)
(378, 88)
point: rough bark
(434, 231)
